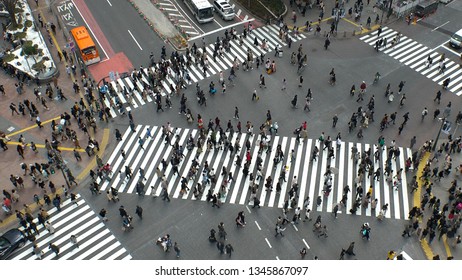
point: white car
(223, 8)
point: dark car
(10, 241)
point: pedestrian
(74, 199)
(424, 113)
(335, 210)
(323, 231)
(118, 135)
(141, 142)
(236, 113)
(139, 211)
(54, 248)
(20, 150)
(221, 247)
(74, 240)
(38, 252)
(102, 214)
(334, 120)
(284, 84)
(77, 155)
(279, 229)
(229, 249)
(177, 250)
(350, 250)
(254, 95)
(303, 252)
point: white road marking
(109, 3)
(295, 227)
(190, 19)
(268, 243)
(86, 23)
(218, 23)
(258, 226)
(454, 52)
(135, 40)
(220, 29)
(248, 209)
(277, 258)
(440, 26)
(306, 244)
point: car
(224, 9)
(456, 40)
(10, 241)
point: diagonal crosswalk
(132, 97)
(309, 174)
(95, 240)
(414, 55)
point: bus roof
(201, 4)
(82, 38)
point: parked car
(223, 8)
(10, 241)
(426, 8)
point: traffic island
(29, 54)
(160, 24)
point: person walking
(350, 250)
(220, 247)
(54, 248)
(229, 249)
(236, 113)
(334, 120)
(20, 150)
(74, 199)
(303, 252)
(141, 142)
(118, 135)
(254, 95)
(279, 229)
(424, 113)
(49, 227)
(177, 250)
(139, 211)
(37, 251)
(74, 241)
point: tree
(10, 7)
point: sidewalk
(14, 125)
(347, 26)
(444, 247)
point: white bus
(201, 9)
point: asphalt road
(189, 222)
(126, 31)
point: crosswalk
(222, 63)
(414, 54)
(95, 240)
(309, 174)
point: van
(456, 40)
(425, 8)
(223, 8)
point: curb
(162, 36)
(423, 161)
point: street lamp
(443, 121)
(446, 114)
